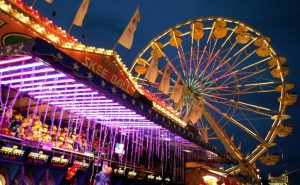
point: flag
(49, 1)
(232, 137)
(164, 85)
(179, 105)
(177, 91)
(196, 111)
(126, 38)
(81, 13)
(152, 70)
(240, 146)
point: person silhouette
(103, 177)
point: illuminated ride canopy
(39, 80)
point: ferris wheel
(222, 77)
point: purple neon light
(27, 73)
(68, 103)
(153, 127)
(105, 112)
(61, 91)
(8, 61)
(89, 104)
(62, 95)
(43, 83)
(78, 99)
(13, 68)
(130, 122)
(51, 87)
(5, 82)
(127, 118)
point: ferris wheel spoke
(249, 122)
(181, 57)
(229, 59)
(168, 60)
(246, 106)
(246, 67)
(222, 87)
(237, 123)
(204, 50)
(235, 73)
(237, 91)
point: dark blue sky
(277, 19)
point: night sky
(106, 20)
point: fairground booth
(68, 109)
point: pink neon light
(32, 79)
(130, 122)
(13, 68)
(100, 115)
(27, 73)
(89, 102)
(52, 87)
(129, 118)
(62, 91)
(8, 61)
(117, 126)
(62, 95)
(43, 83)
(101, 111)
(77, 98)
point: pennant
(187, 115)
(81, 13)
(164, 85)
(204, 134)
(49, 1)
(196, 111)
(151, 74)
(232, 137)
(126, 38)
(177, 91)
(240, 146)
(179, 105)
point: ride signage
(11, 154)
(59, 162)
(81, 165)
(39, 159)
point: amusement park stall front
(68, 109)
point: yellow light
(211, 180)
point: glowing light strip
(135, 126)
(101, 112)
(8, 61)
(27, 73)
(126, 118)
(62, 95)
(130, 122)
(92, 98)
(32, 79)
(62, 91)
(43, 83)
(70, 103)
(13, 68)
(51, 87)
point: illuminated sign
(37, 158)
(81, 165)
(11, 154)
(59, 162)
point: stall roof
(44, 73)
